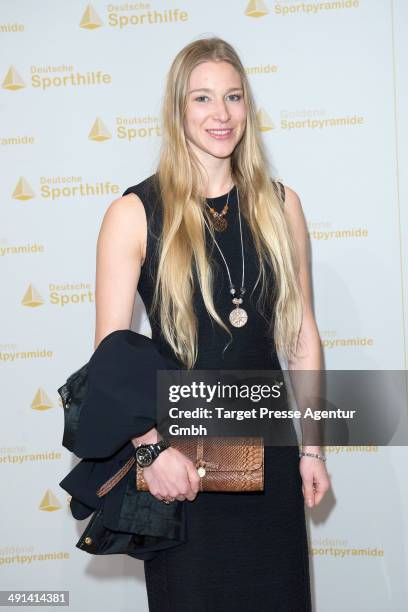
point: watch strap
(155, 447)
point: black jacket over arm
(120, 404)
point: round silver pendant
(238, 317)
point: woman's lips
(220, 134)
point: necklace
(238, 316)
(219, 221)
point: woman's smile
(220, 134)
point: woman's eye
(236, 96)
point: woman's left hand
(315, 480)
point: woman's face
(216, 113)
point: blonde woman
(245, 552)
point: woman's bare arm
(121, 249)
(310, 353)
(120, 253)
(315, 480)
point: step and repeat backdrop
(81, 89)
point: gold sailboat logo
(50, 502)
(32, 297)
(265, 123)
(23, 190)
(41, 401)
(90, 19)
(256, 8)
(99, 131)
(13, 80)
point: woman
(209, 221)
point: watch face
(144, 456)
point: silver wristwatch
(145, 454)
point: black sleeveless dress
(246, 552)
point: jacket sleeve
(119, 404)
(121, 397)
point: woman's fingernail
(310, 502)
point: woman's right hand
(172, 475)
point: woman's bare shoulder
(294, 213)
(293, 205)
(125, 219)
(126, 206)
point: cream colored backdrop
(80, 99)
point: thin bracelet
(304, 454)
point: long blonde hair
(182, 241)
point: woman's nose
(221, 110)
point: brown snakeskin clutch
(223, 463)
